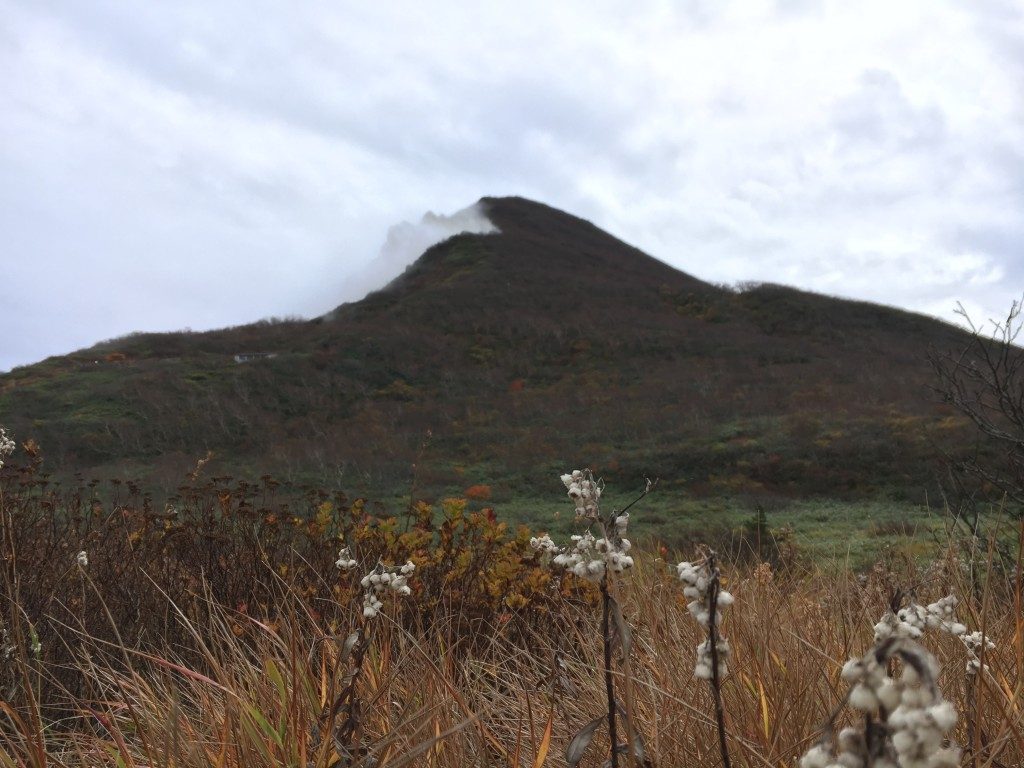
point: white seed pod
(853, 670)
(910, 677)
(903, 741)
(945, 757)
(849, 760)
(686, 572)
(851, 740)
(943, 715)
(863, 698)
(888, 695)
(818, 756)
(883, 631)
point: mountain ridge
(493, 344)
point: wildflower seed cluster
(589, 557)
(585, 491)
(7, 446)
(378, 582)
(974, 641)
(912, 622)
(345, 560)
(914, 717)
(699, 585)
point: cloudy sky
(200, 164)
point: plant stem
(972, 733)
(716, 682)
(609, 682)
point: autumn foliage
(211, 630)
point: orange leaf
(545, 740)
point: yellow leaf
(545, 741)
(764, 710)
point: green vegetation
(495, 359)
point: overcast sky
(200, 164)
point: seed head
(7, 446)
(345, 560)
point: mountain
(501, 358)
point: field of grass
(218, 631)
(832, 533)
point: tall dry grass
(509, 692)
(219, 633)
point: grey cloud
(156, 154)
(1004, 246)
(880, 115)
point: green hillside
(499, 359)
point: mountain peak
(555, 266)
(546, 341)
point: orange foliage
(478, 492)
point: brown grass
(254, 700)
(152, 657)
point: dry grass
(510, 692)
(220, 633)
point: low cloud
(406, 242)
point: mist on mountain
(406, 242)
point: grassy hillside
(496, 360)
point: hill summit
(500, 358)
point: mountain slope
(549, 344)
